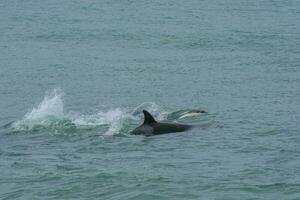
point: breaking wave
(50, 113)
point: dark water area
(75, 77)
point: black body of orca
(152, 127)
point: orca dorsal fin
(148, 119)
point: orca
(152, 127)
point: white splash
(50, 114)
(114, 118)
(51, 107)
(152, 108)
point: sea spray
(151, 107)
(51, 108)
(114, 118)
(50, 114)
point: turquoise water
(75, 76)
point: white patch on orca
(188, 114)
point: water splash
(50, 114)
(50, 109)
(114, 118)
(151, 107)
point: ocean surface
(75, 76)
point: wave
(50, 114)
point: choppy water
(75, 75)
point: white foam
(114, 118)
(151, 107)
(50, 113)
(51, 107)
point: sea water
(76, 75)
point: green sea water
(75, 76)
